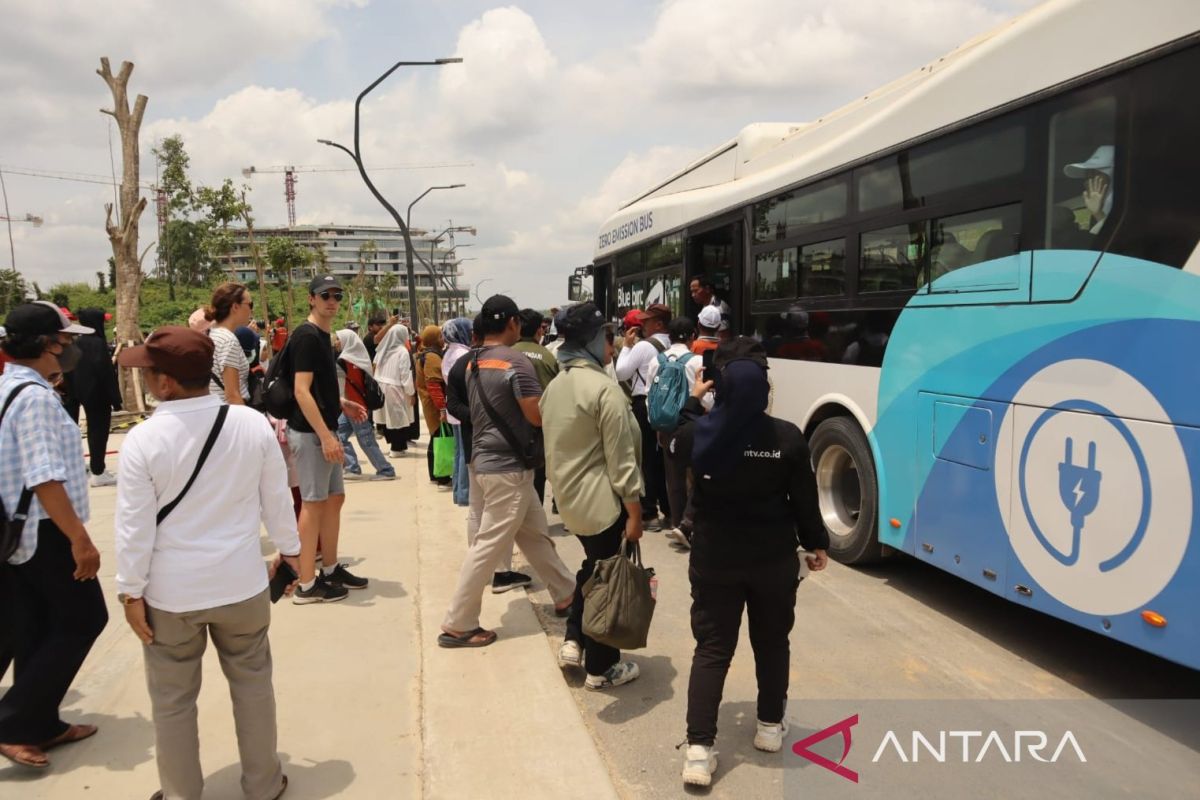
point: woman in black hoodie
(93, 385)
(754, 502)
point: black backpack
(10, 534)
(370, 390)
(278, 397)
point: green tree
(100, 278)
(173, 162)
(220, 206)
(286, 257)
(12, 289)
(183, 247)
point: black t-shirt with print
(311, 350)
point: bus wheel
(847, 490)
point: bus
(976, 287)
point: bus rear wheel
(847, 490)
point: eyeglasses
(335, 295)
(248, 303)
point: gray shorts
(318, 478)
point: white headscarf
(392, 361)
(353, 350)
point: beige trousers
(173, 672)
(511, 513)
(475, 513)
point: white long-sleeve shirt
(206, 553)
(633, 363)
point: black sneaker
(322, 591)
(654, 523)
(503, 581)
(342, 577)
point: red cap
(180, 352)
(633, 319)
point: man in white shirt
(198, 571)
(633, 365)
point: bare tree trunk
(260, 272)
(123, 233)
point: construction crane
(289, 177)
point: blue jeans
(460, 482)
(366, 440)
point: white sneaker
(352, 476)
(104, 479)
(382, 477)
(769, 736)
(699, 764)
(677, 536)
(570, 654)
(618, 674)
(397, 453)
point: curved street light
(356, 155)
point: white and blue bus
(980, 290)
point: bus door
(601, 280)
(716, 252)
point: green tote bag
(443, 452)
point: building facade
(375, 253)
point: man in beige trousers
(503, 394)
(189, 562)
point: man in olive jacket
(592, 445)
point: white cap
(710, 317)
(1101, 161)
(66, 326)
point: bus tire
(847, 490)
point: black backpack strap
(208, 445)
(26, 498)
(497, 420)
(220, 384)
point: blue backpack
(668, 393)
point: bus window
(835, 336)
(973, 238)
(1081, 182)
(775, 275)
(893, 259)
(823, 269)
(970, 159)
(789, 214)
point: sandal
(75, 733)
(25, 755)
(467, 639)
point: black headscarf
(739, 414)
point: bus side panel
(1096, 456)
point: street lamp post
(356, 155)
(430, 266)
(408, 220)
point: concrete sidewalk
(369, 705)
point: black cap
(579, 323)
(324, 283)
(40, 318)
(499, 306)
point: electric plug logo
(1079, 488)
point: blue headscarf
(739, 414)
(457, 331)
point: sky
(563, 109)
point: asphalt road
(900, 631)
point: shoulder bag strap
(500, 424)
(208, 445)
(26, 498)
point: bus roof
(1062, 39)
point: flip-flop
(467, 639)
(23, 761)
(75, 733)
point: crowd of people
(659, 424)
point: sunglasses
(335, 295)
(248, 303)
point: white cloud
(502, 87)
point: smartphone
(395, 312)
(706, 359)
(285, 576)
(804, 568)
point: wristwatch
(127, 600)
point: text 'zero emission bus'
(980, 290)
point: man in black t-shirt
(317, 452)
